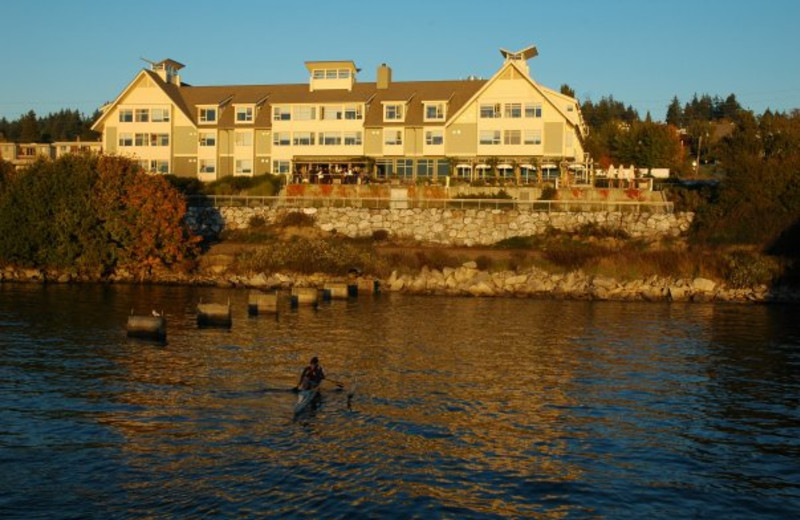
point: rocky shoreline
(464, 281)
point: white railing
(549, 206)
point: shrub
(746, 269)
(380, 235)
(517, 242)
(257, 222)
(301, 255)
(295, 219)
(549, 193)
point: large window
(330, 113)
(434, 137)
(281, 139)
(352, 112)
(513, 110)
(303, 138)
(159, 139)
(490, 137)
(392, 137)
(425, 168)
(208, 139)
(141, 139)
(281, 113)
(304, 113)
(405, 168)
(393, 112)
(208, 165)
(352, 138)
(512, 137)
(533, 110)
(244, 166)
(126, 139)
(442, 168)
(125, 115)
(141, 115)
(244, 114)
(490, 110)
(159, 166)
(243, 138)
(533, 137)
(159, 115)
(330, 138)
(280, 167)
(208, 115)
(434, 111)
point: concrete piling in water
(147, 327)
(335, 291)
(368, 285)
(304, 296)
(262, 303)
(214, 315)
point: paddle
(337, 383)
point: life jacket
(313, 373)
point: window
(570, 108)
(425, 168)
(533, 137)
(208, 139)
(318, 74)
(331, 74)
(512, 137)
(303, 138)
(126, 139)
(141, 139)
(159, 115)
(384, 167)
(280, 167)
(159, 139)
(352, 138)
(208, 115)
(344, 74)
(442, 168)
(243, 138)
(208, 165)
(330, 138)
(305, 113)
(393, 137)
(142, 115)
(281, 139)
(533, 110)
(330, 113)
(281, 114)
(434, 112)
(393, 112)
(405, 168)
(434, 137)
(159, 166)
(513, 110)
(352, 112)
(244, 114)
(490, 137)
(490, 111)
(125, 115)
(244, 167)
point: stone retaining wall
(450, 227)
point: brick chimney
(384, 76)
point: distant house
(407, 130)
(24, 154)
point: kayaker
(312, 375)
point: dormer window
(208, 115)
(328, 75)
(434, 111)
(393, 112)
(244, 114)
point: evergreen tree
(675, 113)
(29, 128)
(567, 90)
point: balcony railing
(548, 206)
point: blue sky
(81, 54)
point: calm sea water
(458, 408)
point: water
(459, 408)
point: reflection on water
(461, 408)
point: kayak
(305, 398)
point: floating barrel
(261, 303)
(147, 327)
(335, 291)
(214, 315)
(304, 296)
(368, 285)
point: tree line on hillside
(64, 125)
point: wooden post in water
(304, 296)
(262, 303)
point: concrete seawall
(449, 227)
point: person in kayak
(312, 375)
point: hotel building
(403, 130)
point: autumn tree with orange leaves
(94, 215)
